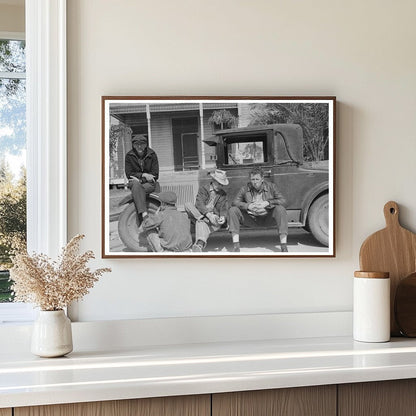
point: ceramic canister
(371, 310)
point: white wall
(12, 17)
(363, 52)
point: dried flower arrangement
(53, 285)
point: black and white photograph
(218, 176)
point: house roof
(126, 108)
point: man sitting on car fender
(210, 209)
(259, 203)
(142, 171)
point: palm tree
(312, 117)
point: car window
(245, 150)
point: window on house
(12, 156)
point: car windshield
(245, 150)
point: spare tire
(128, 227)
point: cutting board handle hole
(391, 214)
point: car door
(293, 180)
(240, 153)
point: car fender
(311, 195)
(129, 198)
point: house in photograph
(175, 131)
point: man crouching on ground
(168, 229)
(259, 203)
(210, 209)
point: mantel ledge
(199, 368)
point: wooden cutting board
(393, 250)
(405, 306)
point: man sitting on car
(259, 203)
(210, 209)
(142, 170)
(167, 229)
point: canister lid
(372, 275)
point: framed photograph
(218, 177)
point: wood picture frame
(286, 144)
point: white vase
(52, 334)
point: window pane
(12, 56)
(245, 153)
(12, 174)
(12, 117)
(246, 150)
(5, 292)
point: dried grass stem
(53, 285)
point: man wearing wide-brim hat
(168, 229)
(210, 209)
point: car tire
(318, 219)
(128, 227)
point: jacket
(173, 228)
(134, 166)
(270, 193)
(220, 201)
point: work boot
(198, 246)
(283, 248)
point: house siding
(162, 140)
(162, 134)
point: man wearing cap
(142, 170)
(258, 203)
(210, 209)
(168, 229)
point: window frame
(46, 125)
(46, 137)
(248, 139)
(269, 151)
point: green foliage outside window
(12, 224)
(12, 148)
(5, 292)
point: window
(12, 155)
(245, 150)
(46, 135)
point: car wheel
(318, 219)
(128, 227)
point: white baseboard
(110, 335)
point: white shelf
(151, 371)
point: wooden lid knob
(372, 275)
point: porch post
(201, 118)
(149, 128)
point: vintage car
(278, 150)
